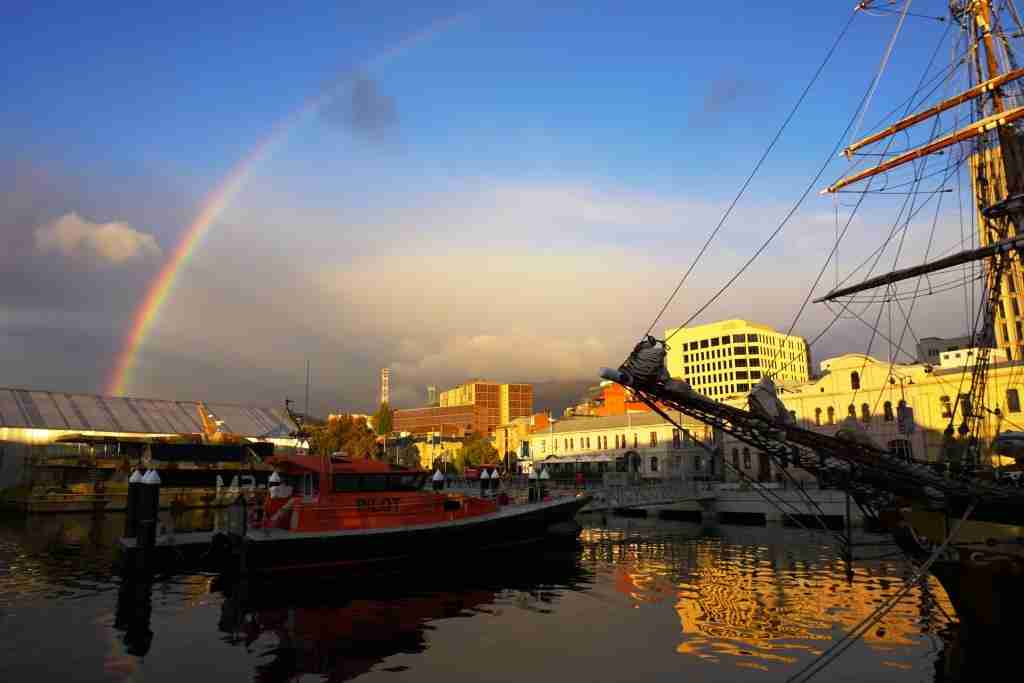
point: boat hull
(982, 571)
(279, 550)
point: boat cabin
(333, 493)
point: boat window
(345, 483)
(855, 380)
(375, 482)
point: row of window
(569, 443)
(769, 340)
(715, 341)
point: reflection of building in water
(765, 604)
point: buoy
(275, 478)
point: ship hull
(982, 571)
(278, 550)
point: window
(739, 338)
(636, 440)
(741, 374)
(887, 409)
(755, 362)
(1012, 401)
(703, 343)
(753, 350)
(654, 463)
(725, 339)
(947, 410)
(851, 410)
(697, 462)
(855, 380)
(792, 414)
(740, 351)
(714, 341)
(865, 413)
(675, 438)
(736, 458)
(831, 415)
(746, 458)
(755, 374)
(654, 439)
(817, 416)
(543, 445)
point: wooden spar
(965, 96)
(966, 133)
(1011, 244)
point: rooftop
(34, 409)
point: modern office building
(727, 358)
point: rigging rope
(757, 167)
(832, 653)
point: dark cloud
(364, 110)
(723, 95)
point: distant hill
(557, 396)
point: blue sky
(623, 126)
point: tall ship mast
(954, 521)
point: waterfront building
(605, 400)
(727, 358)
(644, 444)
(83, 437)
(904, 407)
(501, 403)
(512, 438)
(451, 421)
(436, 448)
(929, 348)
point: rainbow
(160, 288)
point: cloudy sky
(503, 190)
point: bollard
(131, 520)
(149, 510)
(484, 481)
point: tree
(408, 455)
(477, 451)
(348, 435)
(383, 419)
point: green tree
(383, 419)
(348, 435)
(477, 451)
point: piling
(131, 519)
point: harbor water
(635, 600)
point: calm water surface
(637, 600)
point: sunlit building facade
(728, 357)
(876, 393)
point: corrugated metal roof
(80, 412)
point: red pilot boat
(333, 510)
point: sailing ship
(960, 518)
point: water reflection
(765, 598)
(634, 597)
